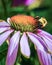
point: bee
(42, 22)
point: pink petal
(4, 24)
(36, 41)
(28, 2)
(49, 59)
(2, 29)
(13, 49)
(47, 38)
(45, 33)
(40, 40)
(48, 42)
(4, 36)
(43, 58)
(24, 46)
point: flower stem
(4, 7)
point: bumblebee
(42, 22)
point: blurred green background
(7, 10)
(44, 10)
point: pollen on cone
(23, 19)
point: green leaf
(2, 62)
(3, 50)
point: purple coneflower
(30, 3)
(22, 2)
(18, 29)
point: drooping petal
(4, 24)
(48, 42)
(44, 57)
(35, 41)
(4, 36)
(24, 46)
(45, 33)
(40, 40)
(13, 49)
(47, 38)
(2, 29)
(49, 59)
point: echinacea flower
(30, 3)
(18, 29)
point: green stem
(5, 9)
